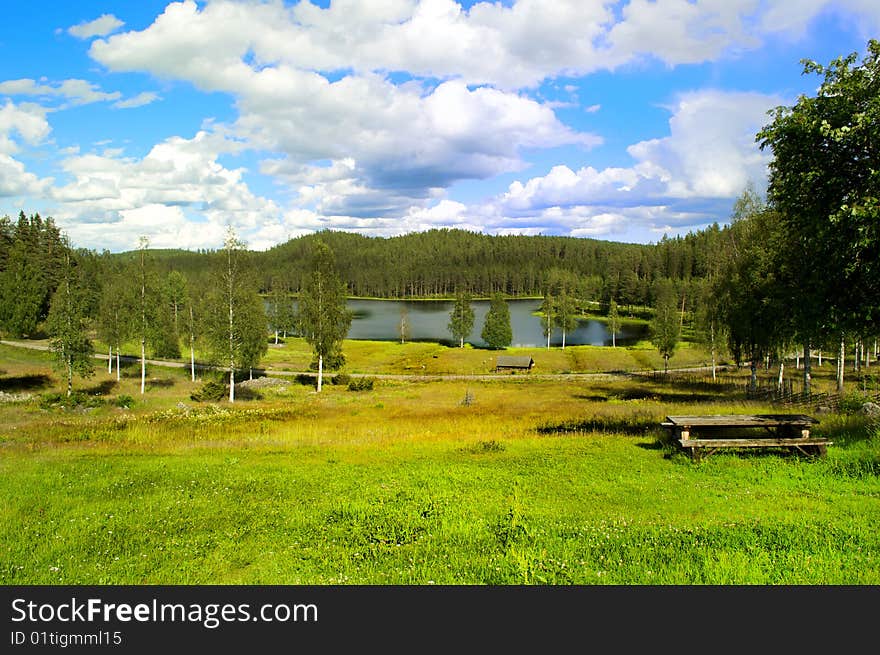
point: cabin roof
(514, 361)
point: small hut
(513, 363)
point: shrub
(852, 403)
(76, 399)
(361, 384)
(341, 379)
(210, 391)
(124, 400)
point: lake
(379, 320)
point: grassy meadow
(520, 480)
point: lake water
(379, 320)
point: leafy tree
(824, 177)
(665, 325)
(497, 332)
(281, 314)
(613, 322)
(323, 316)
(115, 311)
(566, 313)
(709, 326)
(755, 306)
(234, 318)
(67, 326)
(461, 319)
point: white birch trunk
(320, 371)
(117, 363)
(110, 361)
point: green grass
(532, 481)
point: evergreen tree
(461, 319)
(497, 332)
(323, 316)
(175, 293)
(22, 291)
(68, 328)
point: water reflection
(427, 319)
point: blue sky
(619, 120)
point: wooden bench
(738, 431)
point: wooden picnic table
(709, 433)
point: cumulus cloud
(101, 26)
(20, 123)
(183, 176)
(708, 158)
(366, 113)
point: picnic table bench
(709, 433)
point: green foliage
(666, 326)
(341, 379)
(748, 298)
(613, 322)
(210, 391)
(461, 318)
(124, 401)
(76, 399)
(824, 177)
(497, 332)
(361, 384)
(234, 322)
(323, 318)
(68, 327)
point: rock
(264, 383)
(823, 409)
(871, 409)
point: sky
(624, 120)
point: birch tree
(323, 316)
(235, 324)
(461, 319)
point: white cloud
(708, 158)
(101, 26)
(77, 92)
(27, 123)
(180, 175)
(27, 120)
(141, 99)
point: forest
(796, 271)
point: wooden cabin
(513, 363)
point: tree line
(798, 271)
